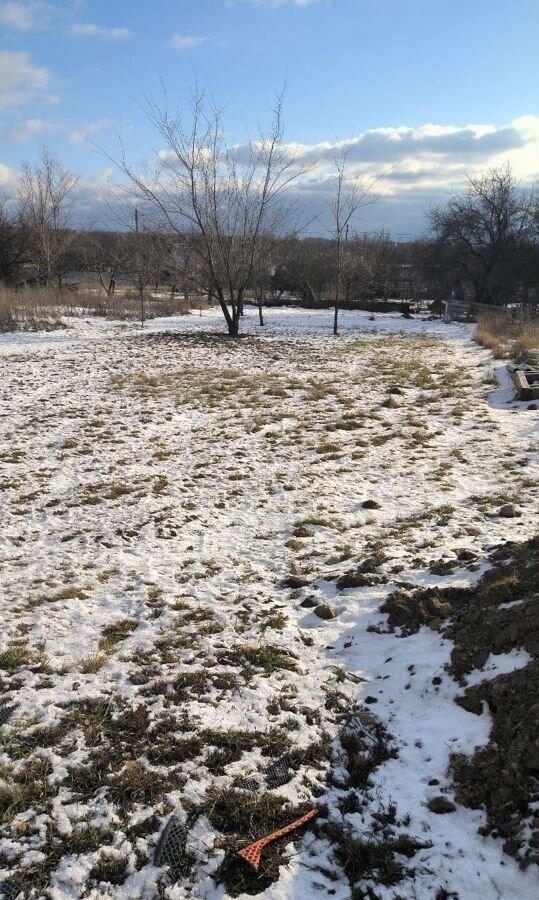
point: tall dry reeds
(508, 333)
(35, 309)
(45, 308)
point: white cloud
(421, 165)
(31, 128)
(88, 29)
(82, 134)
(186, 42)
(428, 156)
(24, 16)
(20, 79)
(8, 176)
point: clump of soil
(363, 575)
(409, 610)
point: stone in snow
(441, 805)
(508, 511)
(325, 611)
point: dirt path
(175, 509)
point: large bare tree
(46, 201)
(482, 237)
(229, 200)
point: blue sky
(398, 82)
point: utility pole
(140, 282)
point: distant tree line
(215, 226)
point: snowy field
(175, 506)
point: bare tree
(350, 195)
(45, 195)
(303, 266)
(482, 236)
(263, 273)
(370, 266)
(147, 253)
(227, 199)
(107, 254)
(141, 251)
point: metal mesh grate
(9, 890)
(170, 850)
(5, 713)
(278, 773)
(249, 784)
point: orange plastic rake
(251, 854)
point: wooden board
(526, 390)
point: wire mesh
(9, 890)
(5, 714)
(170, 850)
(278, 773)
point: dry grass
(42, 308)
(31, 310)
(506, 335)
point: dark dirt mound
(503, 777)
(485, 624)
(499, 615)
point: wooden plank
(525, 390)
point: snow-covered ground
(157, 490)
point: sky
(420, 92)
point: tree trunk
(260, 312)
(232, 321)
(337, 286)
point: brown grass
(507, 335)
(42, 308)
(29, 310)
